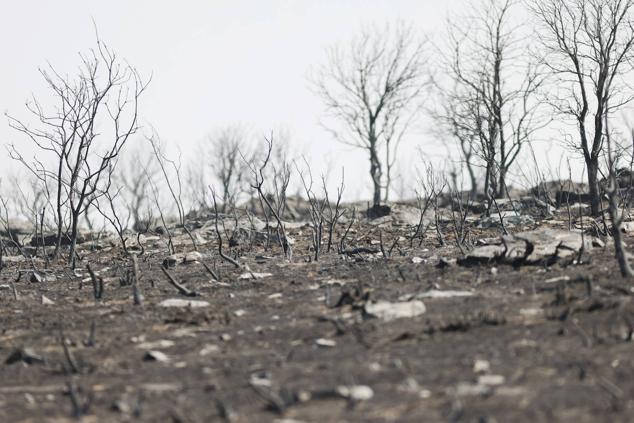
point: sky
(213, 63)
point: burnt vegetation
(138, 286)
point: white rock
(464, 389)
(192, 257)
(47, 301)
(209, 349)
(253, 275)
(14, 259)
(390, 311)
(356, 392)
(564, 278)
(491, 380)
(326, 342)
(481, 366)
(156, 356)
(178, 302)
(436, 293)
(161, 343)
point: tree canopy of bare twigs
(488, 90)
(132, 176)
(171, 169)
(227, 167)
(275, 203)
(371, 89)
(79, 139)
(587, 47)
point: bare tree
(587, 46)
(371, 91)
(223, 156)
(133, 176)
(171, 171)
(108, 207)
(614, 153)
(258, 181)
(76, 132)
(317, 209)
(488, 90)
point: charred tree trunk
(375, 173)
(593, 186)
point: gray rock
(355, 392)
(154, 355)
(510, 219)
(178, 302)
(388, 311)
(436, 293)
(254, 275)
(547, 245)
(465, 389)
(183, 258)
(47, 301)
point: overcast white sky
(214, 62)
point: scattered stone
(209, 349)
(547, 245)
(355, 392)
(161, 343)
(261, 379)
(25, 355)
(481, 366)
(253, 275)
(239, 313)
(465, 389)
(275, 296)
(339, 282)
(390, 311)
(564, 278)
(5, 287)
(47, 301)
(192, 257)
(178, 302)
(418, 260)
(327, 343)
(407, 216)
(122, 406)
(182, 258)
(491, 380)
(510, 219)
(14, 259)
(436, 293)
(157, 356)
(37, 277)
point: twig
(182, 289)
(73, 367)
(219, 235)
(211, 271)
(97, 284)
(136, 293)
